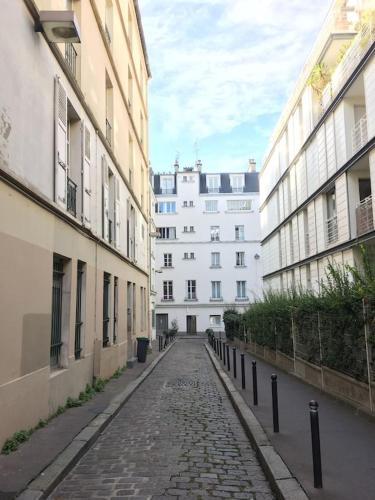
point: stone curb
(40, 487)
(285, 485)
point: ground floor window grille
(106, 284)
(57, 293)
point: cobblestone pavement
(177, 437)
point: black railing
(79, 322)
(110, 231)
(57, 286)
(115, 310)
(71, 199)
(107, 280)
(108, 131)
(71, 58)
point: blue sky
(221, 73)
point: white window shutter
(117, 212)
(86, 176)
(105, 200)
(61, 125)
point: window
(115, 310)
(240, 259)
(79, 312)
(192, 229)
(213, 183)
(143, 309)
(191, 203)
(185, 229)
(167, 290)
(167, 260)
(167, 233)
(239, 233)
(211, 206)
(215, 233)
(109, 109)
(185, 204)
(215, 259)
(237, 183)
(165, 207)
(184, 178)
(215, 320)
(238, 205)
(241, 290)
(215, 289)
(167, 185)
(189, 256)
(57, 298)
(106, 318)
(331, 223)
(188, 229)
(191, 288)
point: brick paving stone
(177, 437)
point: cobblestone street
(177, 437)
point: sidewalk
(32, 457)
(347, 436)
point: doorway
(161, 323)
(191, 324)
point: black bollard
(255, 383)
(228, 358)
(315, 441)
(243, 370)
(275, 403)
(160, 343)
(224, 353)
(234, 363)
(220, 350)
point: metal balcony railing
(365, 216)
(71, 198)
(350, 61)
(332, 230)
(71, 58)
(167, 190)
(108, 131)
(359, 134)
(213, 190)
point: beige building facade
(74, 203)
(318, 177)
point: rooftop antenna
(176, 163)
(196, 149)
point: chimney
(252, 165)
(176, 166)
(198, 164)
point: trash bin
(142, 346)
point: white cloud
(220, 63)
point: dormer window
(167, 184)
(237, 183)
(213, 183)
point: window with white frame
(240, 259)
(188, 229)
(167, 233)
(241, 289)
(185, 204)
(215, 259)
(167, 260)
(215, 233)
(211, 205)
(167, 290)
(191, 289)
(237, 183)
(165, 207)
(215, 289)
(191, 203)
(238, 205)
(215, 320)
(239, 232)
(184, 178)
(189, 256)
(167, 185)
(213, 183)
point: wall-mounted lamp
(59, 26)
(256, 256)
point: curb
(284, 484)
(40, 487)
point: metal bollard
(228, 358)
(243, 370)
(315, 441)
(234, 363)
(224, 353)
(216, 346)
(220, 350)
(255, 384)
(275, 403)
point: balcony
(71, 197)
(332, 230)
(108, 131)
(213, 190)
(71, 58)
(364, 216)
(359, 134)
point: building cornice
(43, 202)
(208, 242)
(211, 305)
(334, 104)
(323, 188)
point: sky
(222, 71)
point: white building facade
(208, 248)
(317, 180)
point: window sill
(242, 299)
(167, 300)
(215, 267)
(167, 267)
(216, 300)
(240, 267)
(212, 212)
(238, 211)
(55, 371)
(214, 241)
(190, 300)
(183, 258)
(166, 213)
(188, 232)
